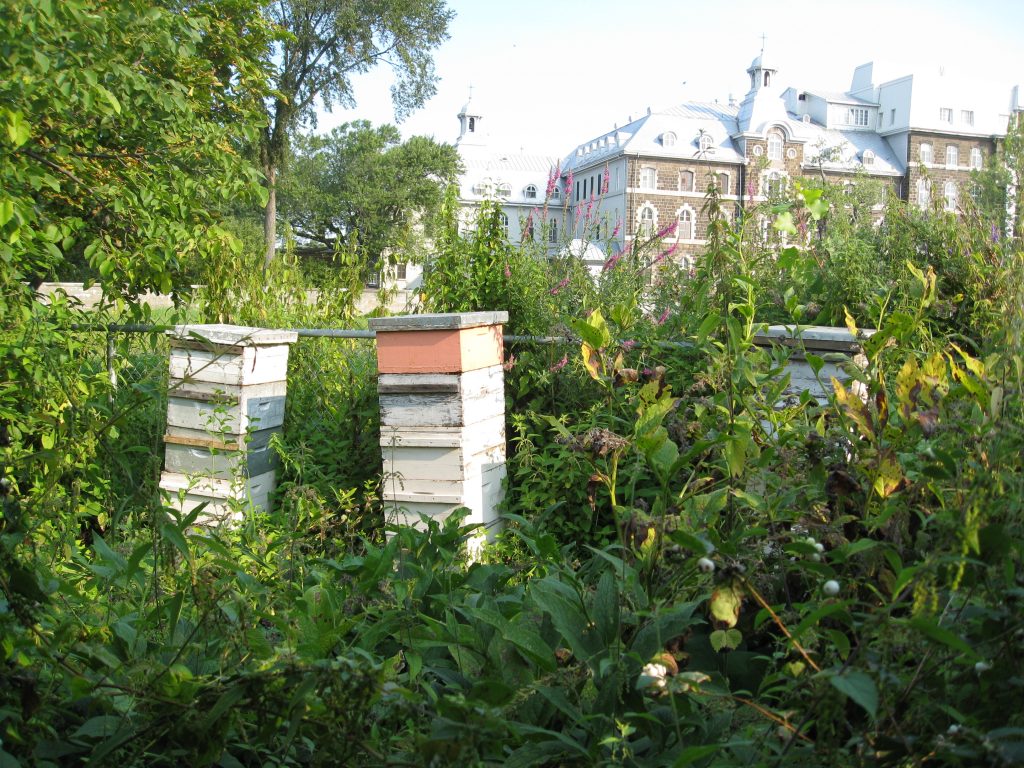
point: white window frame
(775, 144)
(668, 139)
(952, 156)
(924, 193)
(503, 218)
(857, 116)
(648, 178)
(946, 115)
(967, 116)
(977, 159)
(503, 189)
(530, 193)
(868, 158)
(769, 179)
(692, 220)
(689, 176)
(723, 188)
(706, 143)
(646, 220)
(950, 195)
(925, 153)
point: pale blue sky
(549, 74)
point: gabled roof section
(849, 151)
(646, 136)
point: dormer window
(857, 116)
(530, 192)
(504, 190)
(868, 158)
(668, 139)
(706, 143)
(484, 188)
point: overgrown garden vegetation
(696, 569)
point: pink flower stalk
(568, 184)
(508, 272)
(628, 344)
(560, 364)
(552, 180)
(664, 316)
(554, 291)
(510, 363)
(750, 187)
(667, 230)
(664, 254)
(604, 180)
(618, 226)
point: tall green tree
(363, 187)
(121, 122)
(327, 43)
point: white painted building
(525, 186)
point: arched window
(503, 218)
(949, 191)
(531, 192)
(723, 184)
(685, 229)
(952, 156)
(774, 145)
(668, 139)
(868, 158)
(774, 184)
(647, 219)
(686, 181)
(706, 143)
(924, 153)
(924, 193)
(504, 190)
(553, 231)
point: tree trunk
(270, 216)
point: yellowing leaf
(890, 475)
(725, 605)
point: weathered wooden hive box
(835, 346)
(442, 405)
(226, 399)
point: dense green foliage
(363, 187)
(326, 43)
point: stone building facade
(919, 139)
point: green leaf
(815, 362)
(6, 211)
(859, 687)
(690, 755)
(173, 535)
(784, 223)
(18, 131)
(939, 634)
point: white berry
(706, 565)
(982, 666)
(831, 588)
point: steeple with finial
(761, 75)
(469, 122)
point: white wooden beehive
(440, 399)
(226, 500)
(231, 409)
(195, 452)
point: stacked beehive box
(835, 346)
(442, 408)
(225, 399)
